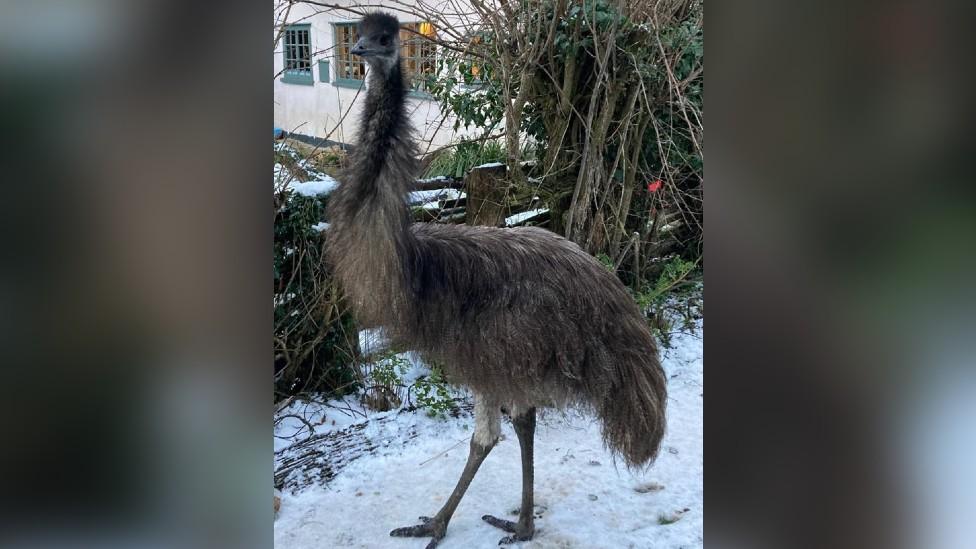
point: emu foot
(519, 532)
(427, 527)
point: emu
(522, 317)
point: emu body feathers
(522, 316)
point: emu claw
(508, 526)
(427, 527)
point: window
(350, 70)
(418, 53)
(298, 55)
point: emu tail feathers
(632, 410)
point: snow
(489, 165)
(429, 199)
(432, 179)
(372, 341)
(584, 499)
(335, 415)
(320, 226)
(321, 186)
(280, 299)
(280, 172)
(522, 216)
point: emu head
(379, 41)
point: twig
(442, 453)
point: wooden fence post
(487, 189)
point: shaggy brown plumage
(522, 316)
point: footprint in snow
(649, 487)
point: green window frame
(324, 71)
(297, 53)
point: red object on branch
(654, 187)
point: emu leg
(523, 529)
(484, 439)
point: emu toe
(427, 527)
(519, 532)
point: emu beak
(360, 48)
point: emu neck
(384, 131)
(370, 241)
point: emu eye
(385, 41)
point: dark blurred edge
(839, 229)
(135, 322)
(134, 310)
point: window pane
(348, 66)
(297, 50)
(418, 52)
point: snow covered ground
(582, 499)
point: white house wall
(316, 110)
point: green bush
(315, 339)
(460, 158)
(384, 381)
(674, 298)
(433, 394)
(386, 388)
